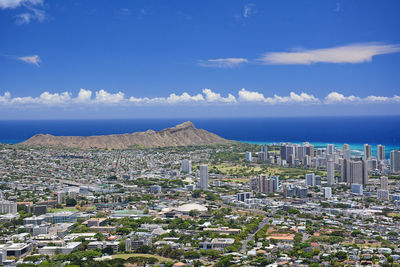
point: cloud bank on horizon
(207, 96)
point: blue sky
(122, 59)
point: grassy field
(63, 209)
(393, 214)
(126, 256)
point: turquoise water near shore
(356, 149)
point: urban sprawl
(232, 204)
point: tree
(70, 202)
(341, 255)
(194, 213)
(193, 254)
(122, 246)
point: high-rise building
(203, 177)
(327, 192)
(61, 197)
(346, 151)
(372, 164)
(309, 150)
(261, 156)
(384, 183)
(382, 194)
(310, 179)
(267, 185)
(345, 170)
(290, 153)
(262, 183)
(330, 149)
(248, 156)
(8, 207)
(346, 147)
(330, 168)
(300, 153)
(186, 166)
(264, 149)
(358, 172)
(243, 196)
(276, 182)
(380, 151)
(395, 161)
(318, 180)
(283, 151)
(367, 151)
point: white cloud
(171, 99)
(4, 4)
(49, 98)
(5, 98)
(35, 59)
(222, 62)
(353, 53)
(335, 97)
(30, 7)
(249, 10)
(185, 97)
(253, 96)
(216, 97)
(250, 96)
(33, 14)
(338, 98)
(102, 97)
(84, 96)
(45, 98)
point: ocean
(317, 130)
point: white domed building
(186, 208)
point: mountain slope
(181, 135)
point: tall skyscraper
(300, 153)
(264, 149)
(262, 183)
(330, 149)
(346, 147)
(203, 177)
(345, 170)
(290, 152)
(308, 149)
(358, 172)
(384, 183)
(330, 168)
(380, 152)
(367, 151)
(395, 161)
(283, 151)
(186, 166)
(276, 182)
(346, 151)
(267, 185)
